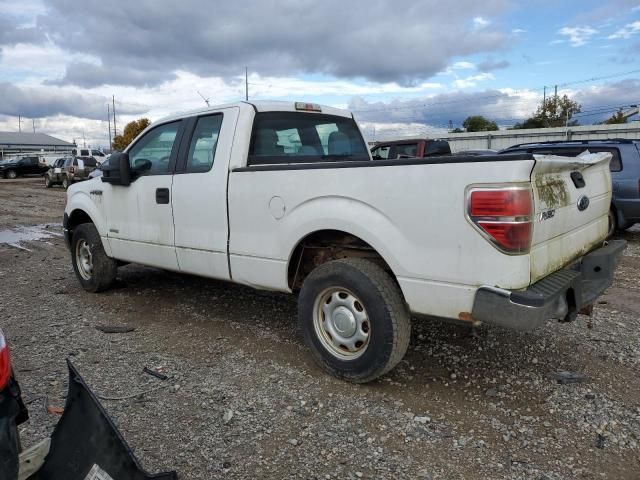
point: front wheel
(353, 318)
(11, 174)
(95, 271)
(47, 182)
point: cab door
(139, 216)
(200, 194)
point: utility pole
(246, 83)
(556, 92)
(19, 123)
(109, 122)
(33, 121)
(115, 130)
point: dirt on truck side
(244, 400)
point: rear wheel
(353, 319)
(65, 183)
(613, 223)
(94, 269)
(11, 174)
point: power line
(501, 94)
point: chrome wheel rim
(84, 259)
(341, 323)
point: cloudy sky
(404, 67)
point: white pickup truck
(286, 197)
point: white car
(285, 197)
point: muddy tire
(613, 223)
(353, 318)
(65, 183)
(11, 174)
(95, 271)
(47, 182)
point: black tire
(11, 174)
(103, 269)
(47, 181)
(613, 223)
(65, 183)
(388, 320)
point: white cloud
(518, 31)
(480, 23)
(578, 36)
(472, 80)
(627, 31)
(463, 65)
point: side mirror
(118, 172)
(142, 165)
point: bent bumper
(560, 295)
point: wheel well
(76, 218)
(326, 245)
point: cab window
(294, 137)
(155, 147)
(202, 150)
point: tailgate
(572, 197)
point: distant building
(16, 143)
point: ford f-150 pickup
(286, 197)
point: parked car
(625, 172)
(410, 149)
(98, 170)
(27, 165)
(68, 170)
(82, 152)
(285, 197)
(12, 413)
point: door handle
(162, 195)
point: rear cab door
(199, 193)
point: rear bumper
(560, 295)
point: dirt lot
(462, 405)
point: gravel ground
(244, 399)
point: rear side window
(203, 144)
(90, 162)
(84, 153)
(616, 163)
(381, 152)
(406, 150)
(291, 137)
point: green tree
(555, 111)
(478, 123)
(131, 131)
(617, 117)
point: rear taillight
(503, 215)
(71, 170)
(5, 362)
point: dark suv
(625, 172)
(17, 166)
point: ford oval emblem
(583, 203)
